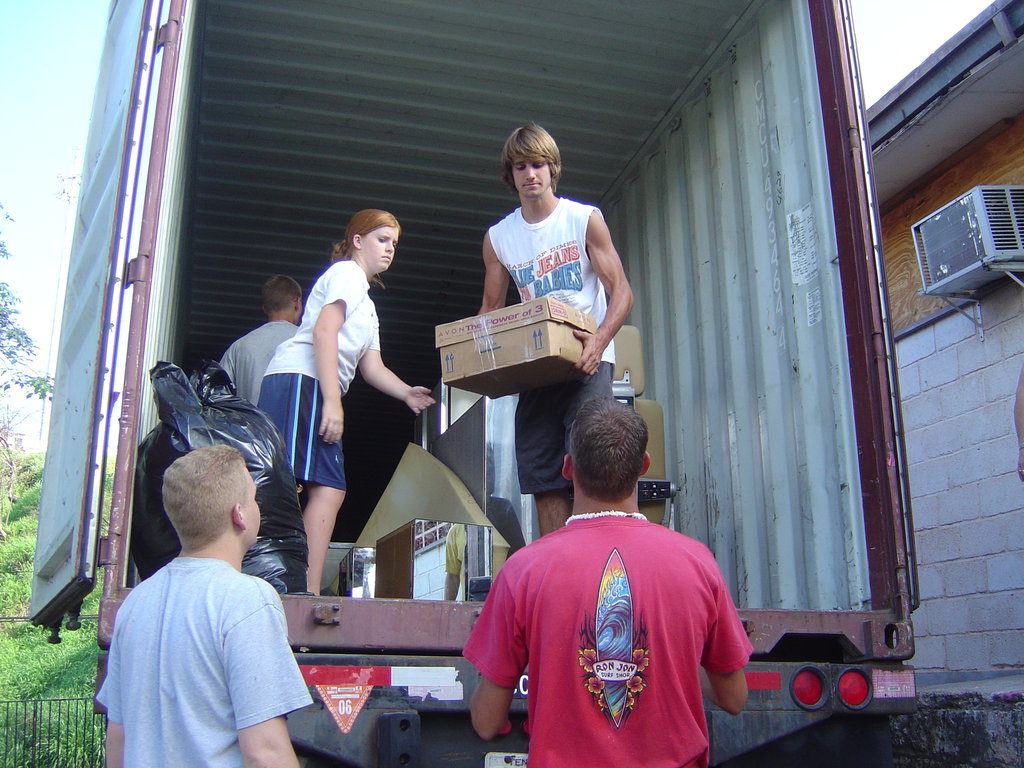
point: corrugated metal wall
(726, 231)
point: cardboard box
(519, 347)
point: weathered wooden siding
(997, 157)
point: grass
(35, 730)
(31, 667)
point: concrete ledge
(972, 724)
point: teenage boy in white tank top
(555, 247)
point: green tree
(17, 349)
(12, 463)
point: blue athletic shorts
(294, 403)
(543, 418)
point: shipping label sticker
(440, 683)
(813, 306)
(344, 702)
(438, 692)
(893, 684)
(505, 760)
(803, 245)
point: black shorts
(543, 418)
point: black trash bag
(205, 410)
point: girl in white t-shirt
(309, 374)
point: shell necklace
(605, 513)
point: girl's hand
(418, 399)
(332, 423)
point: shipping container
(724, 141)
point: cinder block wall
(958, 383)
(428, 573)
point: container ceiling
(310, 111)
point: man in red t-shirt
(622, 622)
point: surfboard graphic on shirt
(612, 653)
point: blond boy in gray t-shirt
(200, 671)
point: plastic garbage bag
(205, 410)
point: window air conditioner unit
(971, 241)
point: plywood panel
(395, 563)
(999, 160)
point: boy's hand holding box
(519, 347)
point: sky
(894, 36)
(49, 57)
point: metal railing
(51, 733)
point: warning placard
(344, 702)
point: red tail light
(808, 688)
(854, 689)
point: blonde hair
(200, 489)
(530, 142)
(362, 223)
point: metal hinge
(168, 33)
(105, 551)
(137, 271)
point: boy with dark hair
(246, 360)
(622, 622)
